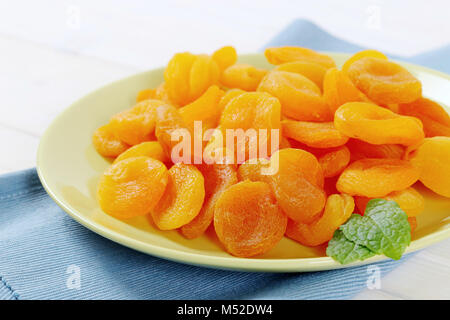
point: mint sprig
(384, 229)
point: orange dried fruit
(146, 94)
(338, 89)
(205, 109)
(432, 159)
(384, 81)
(225, 57)
(288, 54)
(296, 179)
(409, 200)
(334, 162)
(311, 70)
(254, 116)
(151, 149)
(314, 134)
(360, 149)
(413, 223)
(377, 125)
(363, 54)
(218, 177)
(247, 219)
(436, 121)
(137, 124)
(338, 209)
(188, 76)
(132, 187)
(374, 178)
(242, 76)
(107, 143)
(171, 131)
(182, 199)
(300, 98)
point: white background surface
(52, 52)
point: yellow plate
(69, 169)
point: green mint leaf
(384, 228)
(345, 251)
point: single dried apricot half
(314, 134)
(107, 143)
(377, 177)
(377, 125)
(409, 200)
(436, 121)
(146, 94)
(225, 57)
(338, 209)
(218, 177)
(204, 109)
(151, 149)
(137, 124)
(363, 54)
(311, 70)
(360, 149)
(384, 81)
(300, 98)
(242, 76)
(288, 54)
(432, 159)
(182, 199)
(254, 118)
(335, 161)
(247, 219)
(132, 187)
(338, 89)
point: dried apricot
(218, 177)
(296, 179)
(384, 81)
(146, 94)
(288, 54)
(137, 124)
(360, 149)
(338, 89)
(413, 223)
(363, 54)
(182, 199)
(169, 127)
(187, 76)
(314, 134)
(377, 125)
(228, 96)
(132, 187)
(248, 220)
(338, 209)
(107, 143)
(432, 159)
(300, 98)
(311, 70)
(334, 162)
(436, 121)
(242, 76)
(225, 57)
(377, 177)
(254, 116)
(409, 200)
(204, 109)
(151, 149)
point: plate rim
(218, 262)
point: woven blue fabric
(42, 248)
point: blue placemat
(44, 254)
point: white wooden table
(53, 52)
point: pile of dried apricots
(347, 135)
